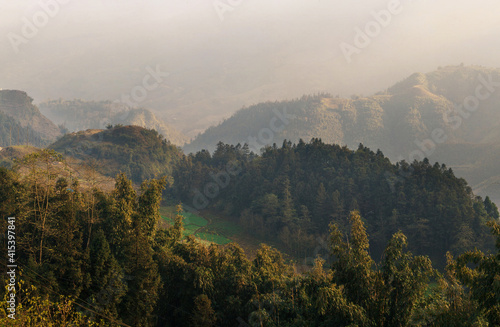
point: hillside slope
(416, 118)
(138, 152)
(22, 123)
(293, 192)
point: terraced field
(210, 228)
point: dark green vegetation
(416, 114)
(139, 153)
(406, 244)
(88, 258)
(78, 115)
(203, 229)
(293, 192)
(21, 123)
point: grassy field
(192, 222)
(209, 229)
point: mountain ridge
(413, 119)
(78, 115)
(22, 122)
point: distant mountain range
(77, 115)
(23, 123)
(451, 115)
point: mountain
(138, 152)
(22, 123)
(77, 115)
(426, 115)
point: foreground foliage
(88, 257)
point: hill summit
(77, 115)
(136, 151)
(430, 115)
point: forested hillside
(365, 242)
(138, 152)
(290, 194)
(293, 192)
(390, 120)
(425, 115)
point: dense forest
(89, 258)
(294, 191)
(408, 244)
(435, 115)
(138, 152)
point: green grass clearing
(192, 219)
(168, 213)
(211, 232)
(190, 229)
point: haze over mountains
(449, 115)
(21, 122)
(259, 52)
(78, 115)
(250, 163)
(438, 115)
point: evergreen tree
(491, 208)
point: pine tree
(108, 282)
(320, 210)
(287, 209)
(149, 206)
(491, 208)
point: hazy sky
(259, 50)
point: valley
(309, 191)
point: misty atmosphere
(250, 163)
(259, 51)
